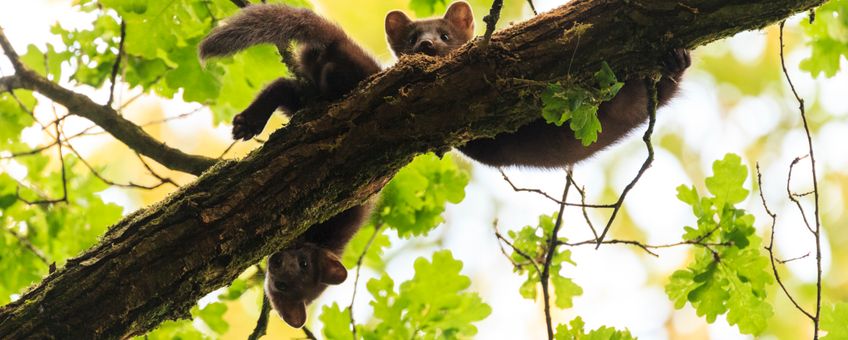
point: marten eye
(445, 37)
(301, 260)
(413, 39)
(280, 285)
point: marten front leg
(283, 93)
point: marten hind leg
(283, 93)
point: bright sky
(620, 289)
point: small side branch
(491, 21)
(356, 281)
(817, 230)
(770, 248)
(546, 270)
(117, 66)
(652, 119)
(262, 322)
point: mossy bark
(156, 263)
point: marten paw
(676, 62)
(244, 128)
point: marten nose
(426, 47)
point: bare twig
(10, 53)
(262, 322)
(770, 248)
(107, 118)
(491, 20)
(529, 258)
(117, 66)
(532, 7)
(241, 3)
(308, 334)
(546, 270)
(551, 198)
(652, 115)
(582, 192)
(792, 196)
(356, 280)
(24, 241)
(796, 258)
(64, 197)
(812, 155)
(99, 176)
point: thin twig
(793, 259)
(64, 197)
(651, 84)
(529, 258)
(546, 270)
(262, 322)
(241, 3)
(356, 280)
(812, 155)
(28, 245)
(99, 176)
(532, 7)
(308, 334)
(10, 53)
(770, 248)
(491, 20)
(117, 66)
(792, 196)
(553, 199)
(582, 192)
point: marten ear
(459, 15)
(396, 22)
(332, 270)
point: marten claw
(677, 61)
(242, 129)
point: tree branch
(104, 116)
(156, 263)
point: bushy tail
(269, 23)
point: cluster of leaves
(534, 242)
(434, 304)
(730, 272)
(160, 52)
(411, 204)
(578, 104)
(34, 236)
(834, 321)
(574, 331)
(828, 37)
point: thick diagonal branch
(157, 262)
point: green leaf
(373, 258)
(828, 39)
(412, 203)
(834, 321)
(726, 183)
(730, 272)
(213, 316)
(579, 104)
(534, 242)
(574, 331)
(433, 304)
(336, 322)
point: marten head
(434, 37)
(298, 275)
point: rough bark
(156, 263)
